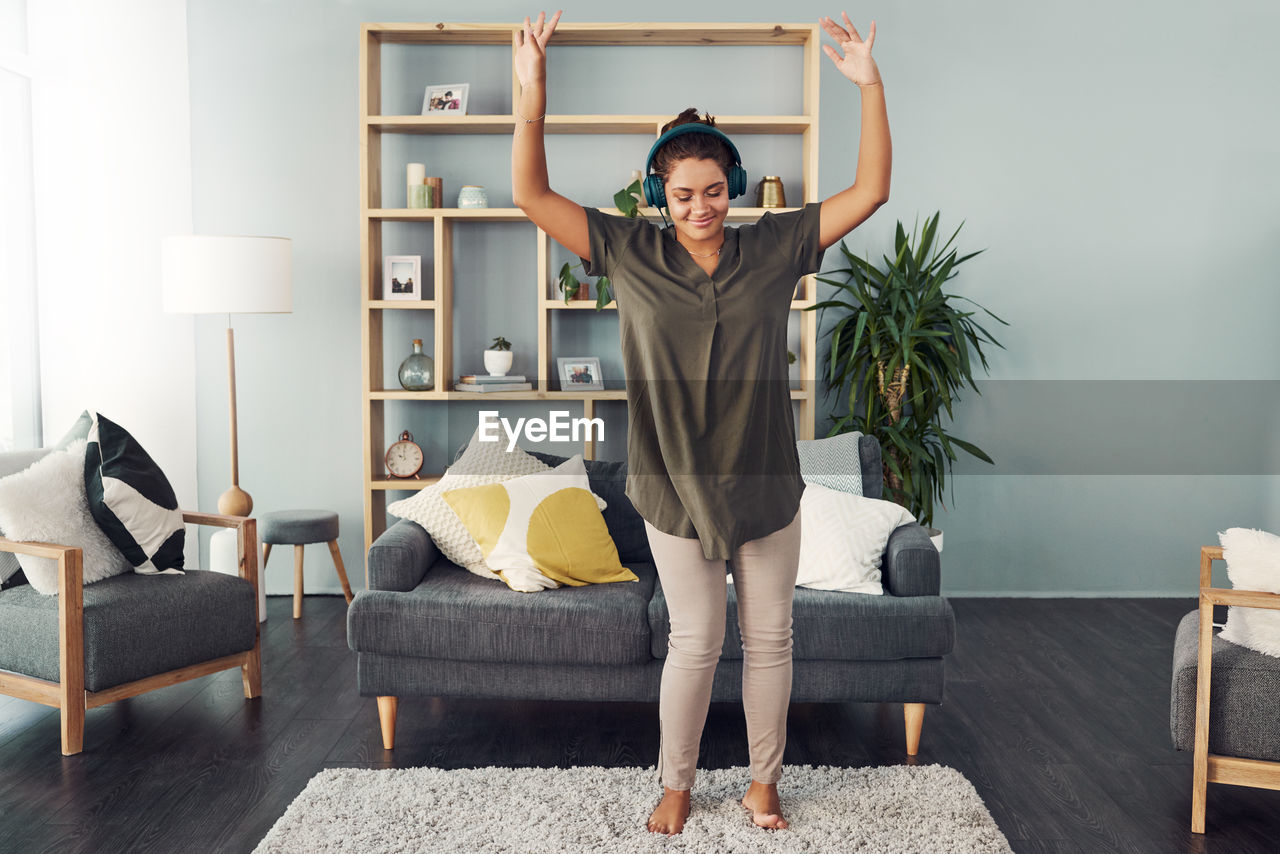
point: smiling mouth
(702, 222)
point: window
(19, 339)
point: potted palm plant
(899, 350)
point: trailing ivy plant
(899, 351)
(627, 200)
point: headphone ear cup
(737, 181)
(654, 192)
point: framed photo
(445, 99)
(402, 277)
(580, 373)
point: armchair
(1244, 732)
(129, 634)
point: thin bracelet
(531, 121)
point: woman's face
(698, 197)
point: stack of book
(485, 382)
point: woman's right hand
(531, 48)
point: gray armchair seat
(426, 627)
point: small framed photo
(445, 99)
(580, 373)
(402, 277)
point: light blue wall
(1116, 161)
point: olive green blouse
(711, 444)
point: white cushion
(833, 462)
(47, 503)
(481, 463)
(1253, 563)
(842, 538)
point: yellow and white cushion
(480, 463)
(541, 530)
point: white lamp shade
(218, 274)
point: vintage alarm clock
(404, 458)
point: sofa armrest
(401, 557)
(911, 565)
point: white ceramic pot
(936, 536)
(498, 362)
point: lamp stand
(235, 501)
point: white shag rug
(899, 808)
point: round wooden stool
(299, 528)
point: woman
(712, 460)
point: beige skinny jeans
(764, 575)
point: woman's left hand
(857, 63)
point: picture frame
(445, 99)
(402, 277)
(580, 373)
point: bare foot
(766, 811)
(670, 814)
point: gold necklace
(699, 255)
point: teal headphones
(656, 194)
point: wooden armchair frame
(1209, 767)
(68, 694)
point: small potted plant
(572, 288)
(497, 359)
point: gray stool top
(298, 527)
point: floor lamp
(214, 274)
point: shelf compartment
(517, 215)
(611, 34)
(410, 485)
(385, 305)
(580, 124)
(534, 394)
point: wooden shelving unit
(373, 125)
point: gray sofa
(428, 628)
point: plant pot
(498, 362)
(936, 536)
(583, 291)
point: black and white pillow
(132, 501)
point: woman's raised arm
(564, 220)
(847, 209)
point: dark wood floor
(1057, 710)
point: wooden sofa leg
(251, 672)
(914, 715)
(387, 717)
(72, 725)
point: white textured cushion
(842, 538)
(481, 463)
(1253, 563)
(833, 462)
(47, 503)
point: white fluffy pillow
(842, 538)
(47, 503)
(1253, 563)
(481, 463)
